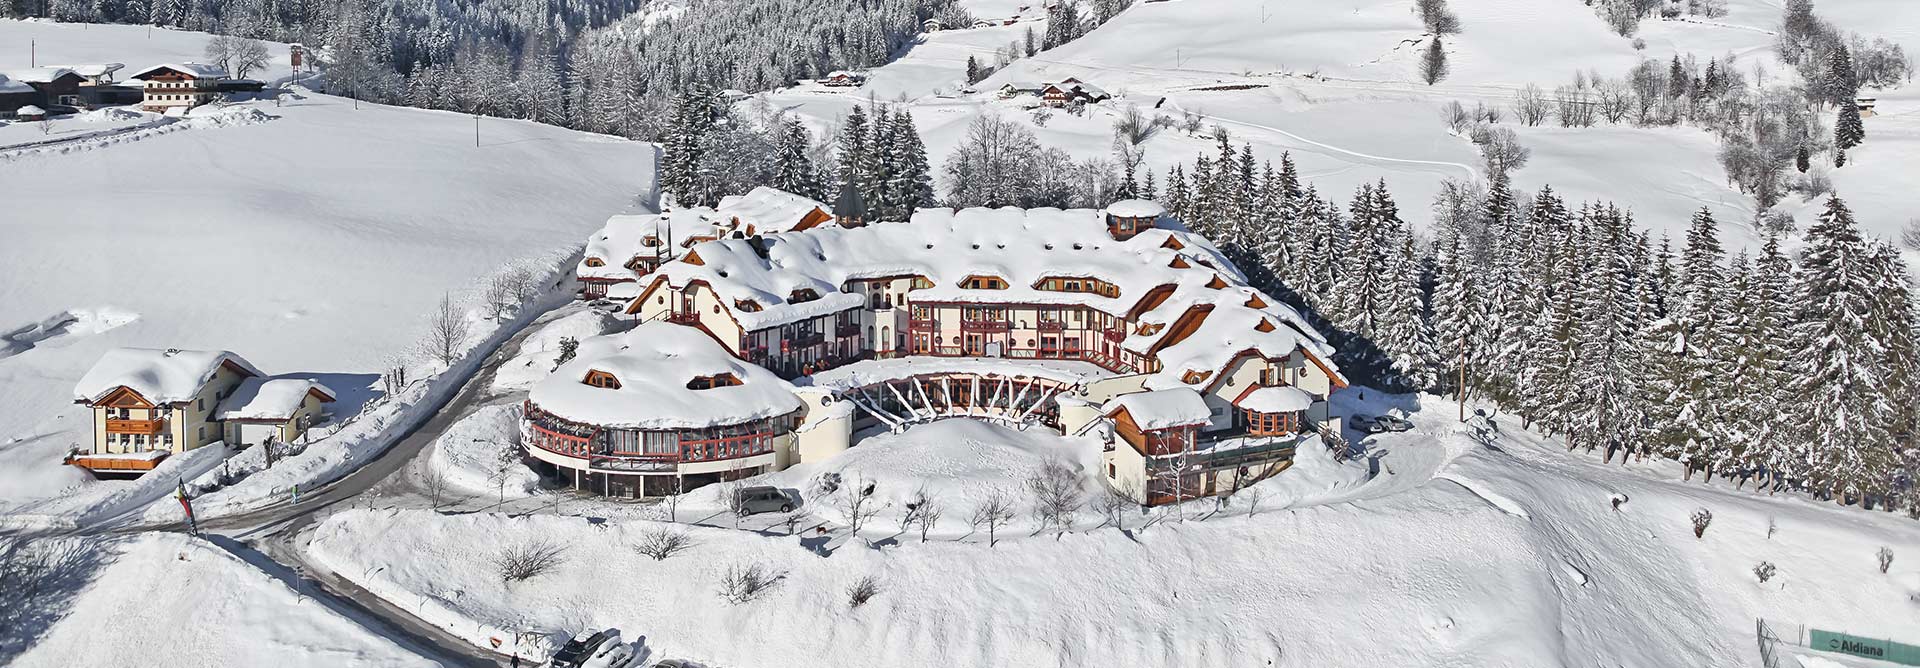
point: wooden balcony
(924, 325)
(1115, 335)
(684, 318)
(145, 427)
(986, 326)
(1050, 326)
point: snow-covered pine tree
(1766, 338)
(850, 151)
(877, 167)
(913, 180)
(1457, 312)
(1433, 62)
(1848, 132)
(1607, 412)
(1838, 388)
(793, 170)
(1148, 189)
(1405, 333)
(683, 152)
(1892, 326)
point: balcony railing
(1115, 335)
(684, 317)
(924, 325)
(847, 330)
(1050, 326)
(147, 427)
(986, 326)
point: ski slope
(312, 238)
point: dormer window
(1179, 263)
(1255, 302)
(1216, 283)
(602, 379)
(1192, 377)
(596, 262)
(713, 381)
(984, 283)
(921, 283)
(800, 295)
(746, 305)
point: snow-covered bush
(1701, 518)
(743, 583)
(662, 542)
(1885, 556)
(528, 560)
(1764, 570)
(862, 590)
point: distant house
(55, 85)
(1058, 94)
(931, 25)
(148, 404)
(1865, 106)
(631, 246)
(14, 95)
(180, 85)
(1018, 88)
(844, 79)
(984, 23)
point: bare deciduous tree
(529, 560)
(1057, 494)
(447, 331)
(743, 583)
(857, 504)
(246, 56)
(993, 512)
(1910, 235)
(1457, 117)
(1501, 149)
(662, 542)
(1112, 506)
(1530, 105)
(435, 485)
(394, 378)
(862, 590)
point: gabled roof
(1161, 409)
(771, 210)
(270, 398)
(159, 376)
(195, 70)
(8, 85)
(40, 74)
(624, 237)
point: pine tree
(1607, 412)
(1405, 335)
(973, 71)
(913, 177)
(1839, 83)
(1457, 312)
(851, 151)
(1840, 389)
(1433, 63)
(793, 170)
(1848, 131)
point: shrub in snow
(1764, 570)
(857, 504)
(1701, 518)
(1886, 558)
(862, 590)
(529, 560)
(1112, 506)
(743, 583)
(568, 348)
(1457, 116)
(663, 542)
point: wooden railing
(684, 317)
(986, 326)
(148, 427)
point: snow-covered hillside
(1335, 84)
(1435, 549)
(312, 239)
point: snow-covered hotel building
(633, 245)
(764, 351)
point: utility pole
(33, 53)
(476, 131)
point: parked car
(1375, 424)
(599, 649)
(761, 499)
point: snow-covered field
(169, 600)
(315, 241)
(1450, 552)
(1335, 85)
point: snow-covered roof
(653, 364)
(1091, 90)
(94, 70)
(1137, 208)
(1162, 409)
(624, 237)
(1021, 247)
(269, 398)
(159, 376)
(8, 85)
(1024, 86)
(769, 210)
(1275, 400)
(196, 70)
(29, 110)
(39, 74)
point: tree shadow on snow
(40, 578)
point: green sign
(1872, 648)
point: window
(713, 381)
(596, 262)
(1112, 471)
(602, 379)
(984, 283)
(202, 434)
